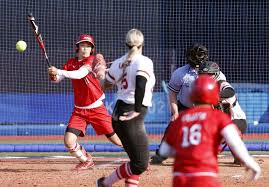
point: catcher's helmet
(210, 68)
(205, 90)
(196, 55)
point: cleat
(157, 160)
(85, 165)
(100, 182)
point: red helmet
(85, 38)
(205, 90)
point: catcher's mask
(210, 68)
(196, 55)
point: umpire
(180, 85)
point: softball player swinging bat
(88, 95)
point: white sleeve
(225, 85)
(221, 77)
(166, 150)
(76, 74)
(59, 78)
(110, 75)
(238, 147)
(144, 68)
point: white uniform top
(181, 81)
(236, 110)
(140, 65)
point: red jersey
(86, 90)
(196, 136)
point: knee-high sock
(80, 153)
(121, 172)
(132, 181)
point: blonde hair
(134, 40)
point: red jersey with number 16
(196, 136)
(86, 90)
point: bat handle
(47, 60)
(48, 63)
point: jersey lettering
(124, 83)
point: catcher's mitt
(99, 67)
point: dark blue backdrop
(236, 33)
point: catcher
(228, 101)
(88, 96)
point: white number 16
(191, 135)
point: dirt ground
(57, 172)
